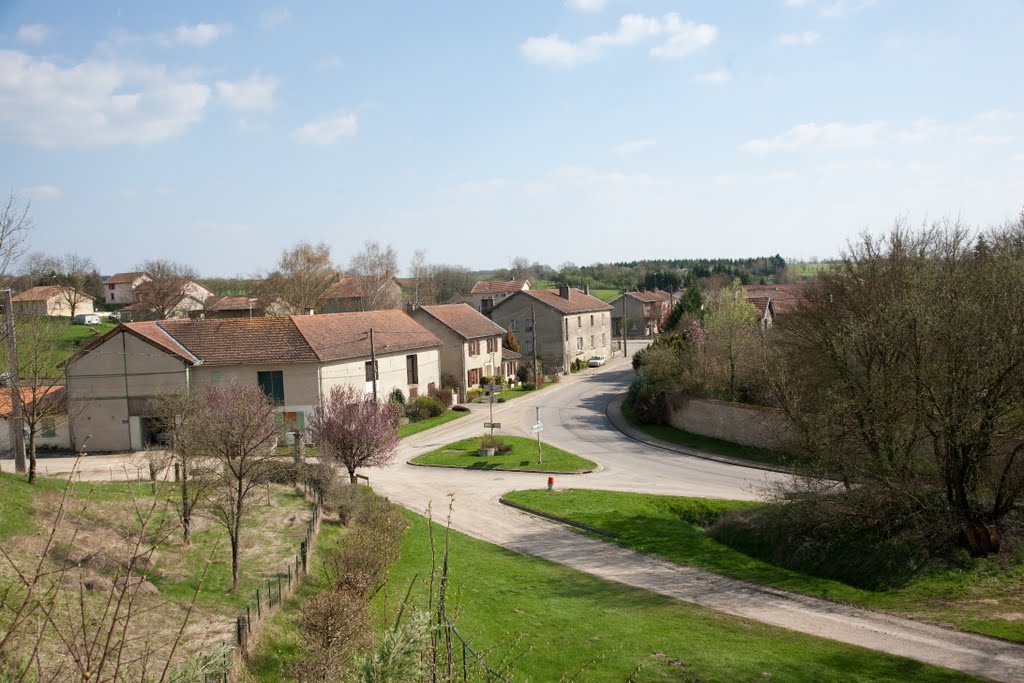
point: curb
(634, 434)
(480, 469)
(557, 519)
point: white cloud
(818, 137)
(275, 16)
(633, 146)
(201, 34)
(587, 5)
(681, 38)
(326, 131)
(41, 192)
(996, 116)
(719, 77)
(33, 33)
(255, 92)
(804, 38)
(95, 102)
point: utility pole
(625, 354)
(373, 365)
(533, 331)
(12, 377)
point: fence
(224, 667)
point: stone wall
(740, 423)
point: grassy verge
(512, 393)
(279, 647)
(705, 443)
(985, 597)
(522, 458)
(429, 423)
(564, 623)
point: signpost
(537, 429)
(492, 425)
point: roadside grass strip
(431, 422)
(522, 458)
(984, 596)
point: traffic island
(517, 454)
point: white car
(596, 361)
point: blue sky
(217, 134)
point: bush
(524, 373)
(444, 394)
(396, 397)
(529, 386)
(554, 378)
(500, 447)
(474, 393)
(424, 407)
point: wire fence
(224, 666)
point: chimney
(563, 291)
(586, 289)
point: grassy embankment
(705, 443)
(984, 595)
(522, 457)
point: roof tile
(464, 320)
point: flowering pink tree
(354, 431)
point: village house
(644, 311)
(52, 430)
(471, 344)
(120, 288)
(296, 360)
(172, 299)
(239, 306)
(487, 293)
(784, 298)
(352, 293)
(568, 323)
(52, 300)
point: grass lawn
(101, 516)
(565, 622)
(985, 598)
(429, 423)
(522, 458)
(707, 444)
(605, 295)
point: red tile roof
(345, 287)
(464, 320)
(337, 336)
(762, 303)
(44, 293)
(785, 298)
(28, 395)
(578, 302)
(650, 296)
(499, 286)
(241, 341)
(232, 303)
(124, 278)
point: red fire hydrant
(551, 483)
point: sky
(219, 134)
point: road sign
(537, 428)
(493, 388)
(492, 425)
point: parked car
(596, 361)
(114, 317)
(87, 319)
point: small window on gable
(47, 427)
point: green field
(707, 444)
(522, 458)
(985, 597)
(605, 295)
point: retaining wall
(740, 423)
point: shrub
(529, 386)
(500, 399)
(499, 446)
(424, 407)
(554, 378)
(396, 397)
(474, 393)
(444, 394)
(524, 373)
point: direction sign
(537, 428)
(492, 425)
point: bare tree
(15, 224)
(376, 267)
(73, 275)
(236, 428)
(40, 391)
(731, 323)
(419, 272)
(450, 283)
(303, 273)
(169, 283)
(355, 431)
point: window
(110, 287)
(293, 421)
(579, 321)
(111, 296)
(591, 341)
(528, 346)
(48, 427)
(474, 347)
(514, 326)
(272, 384)
(579, 343)
(486, 305)
(591, 318)
(604, 339)
(412, 370)
(372, 370)
(529, 324)
(214, 377)
(492, 345)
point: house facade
(568, 324)
(470, 343)
(644, 312)
(241, 306)
(156, 300)
(52, 430)
(51, 300)
(296, 360)
(486, 294)
(119, 289)
(350, 293)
